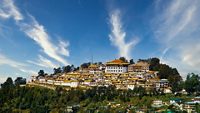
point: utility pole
(92, 58)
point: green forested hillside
(16, 99)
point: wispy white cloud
(43, 62)
(177, 28)
(36, 32)
(8, 9)
(118, 35)
(4, 60)
(28, 71)
(62, 48)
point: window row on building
(114, 67)
(114, 71)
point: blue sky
(37, 34)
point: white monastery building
(116, 66)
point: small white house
(157, 103)
(70, 83)
(50, 81)
(131, 86)
(167, 91)
(196, 100)
(42, 80)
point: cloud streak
(5, 60)
(118, 35)
(8, 10)
(177, 28)
(43, 62)
(38, 33)
(35, 31)
(18, 65)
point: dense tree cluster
(123, 59)
(166, 72)
(58, 71)
(85, 65)
(42, 100)
(14, 99)
(192, 83)
(20, 81)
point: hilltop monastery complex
(116, 72)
